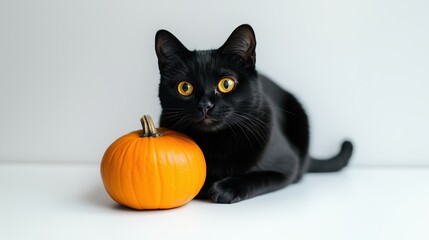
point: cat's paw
(225, 191)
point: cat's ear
(167, 46)
(241, 42)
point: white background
(75, 75)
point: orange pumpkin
(153, 168)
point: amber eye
(226, 85)
(185, 88)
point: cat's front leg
(238, 188)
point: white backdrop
(75, 75)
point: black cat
(254, 135)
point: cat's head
(207, 90)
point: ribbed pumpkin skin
(153, 172)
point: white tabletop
(68, 201)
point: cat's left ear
(241, 42)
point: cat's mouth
(206, 120)
(208, 123)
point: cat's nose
(204, 106)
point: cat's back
(289, 114)
(273, 91)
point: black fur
(255, 139)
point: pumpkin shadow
(98, 197)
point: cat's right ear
(167, 47)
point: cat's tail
(335, 163)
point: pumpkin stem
(148, 126)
